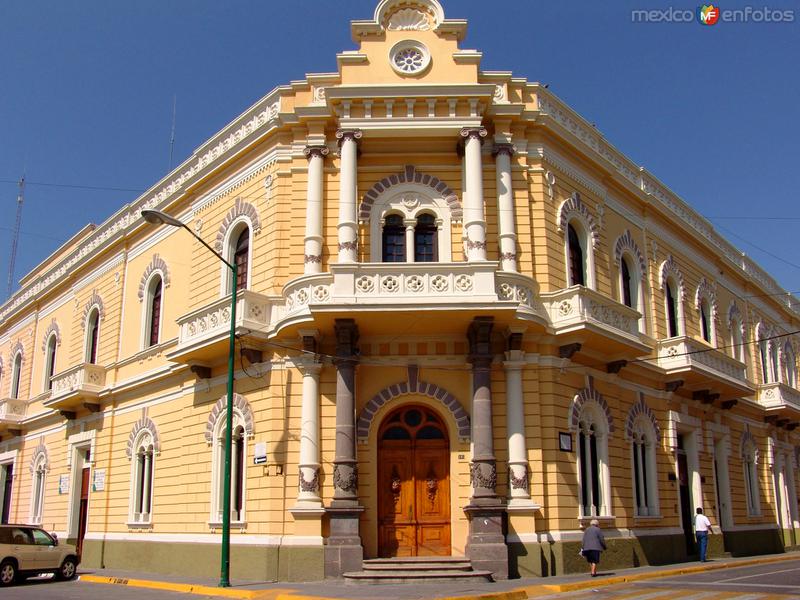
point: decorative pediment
(409, 15)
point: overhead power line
(73, 186)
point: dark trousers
(702, 543)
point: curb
(520, 593)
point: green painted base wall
(756, 541)
(253, 563)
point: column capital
(319, 150)
(474, 132)
(348, 134)
(503, 148)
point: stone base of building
(754, 541)
(248, 562)
(343, 550)
(546, 559)
(486, 545)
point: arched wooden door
(413, 484)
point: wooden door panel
(397, 541)
(432, 485)
(396, 502)
(433, 540)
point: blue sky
(87, 90)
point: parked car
(26, 551)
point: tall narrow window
(16, 375)
(241, 257)
(672, 309)
(627, 282)
(643, 449)
(154, 311)
(705, 323)
(142, 478)
(92, 331)
(751, 487)
(762, 354)
(773, 361)
(38, 488)
(425, 234)
(790, 365)
(577, 263)
(394, 239)
(237, 475)
(593, 462)
(737, 340)
(50, 362)
(238, 470)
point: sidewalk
(515, 589)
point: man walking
(702, 529)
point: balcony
(702, 368)
(779, 398)
(416, 295)
(80, 385)
(204, 334)
(581, 315)
(12, 411)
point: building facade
(466, 325)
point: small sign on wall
(260, 454)
(63, 484)
(564, 441)
(99, 483)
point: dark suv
(26, 550)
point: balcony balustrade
(582, 315)
(81, 384)
(12, 411)
(702, 367)
(779, 397)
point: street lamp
(156, 217)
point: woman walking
(593, 544)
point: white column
(507, 238)
(308, 493)
(147, 484)
(518, 481)
(348, 224)
(474, 223)
(410, 226)
(313, 240)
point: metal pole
(225, 567)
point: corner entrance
(413, 484)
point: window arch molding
(141, 451)
(705, 302)
(17, 357)
(574, 216)
(626, 244)
(768, 353)
(574, 208)
(789, 364)
(241, 211)
(94, 302)
(153, 299)
(228, 250)
(52, 329)
(644, 434)
(411, 201)
(241, 407)
(145, 424)
(39, 467)
(672, 285)
(738, 332)
(157, 266)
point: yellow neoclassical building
(466, 325)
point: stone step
(428, 566)
(417, 576)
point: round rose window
(409, 57)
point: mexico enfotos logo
(711, 14)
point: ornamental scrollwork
(478, 479)
(313, 484)
(521, 482)
(346, 483)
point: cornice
(410, 90)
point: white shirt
(701, 523)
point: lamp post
(157, 217)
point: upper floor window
(425, 239)
(50, 361)
(789, 365)
(705, 321)
(153, 310)
(394, 239)
(671, 291)
(737, 335)
(626, 282)
(241, 258)
(576, 256)
(92, 336)
(16, 375)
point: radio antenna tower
(15, 236)
(172, 135)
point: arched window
(16, 375)
(751, 486)
(627, 283)
(142, 469)
(671, 291)
(425, 239)
(394, 239)
(643, 451)
(737, 338)
(153, 308)
(39, 474)
(241, 258)
(92, 336)
(238, 469)
(774, 363)
(593, 461)
(50, 361)
(576, 256)
(789, 365)
(705, 320)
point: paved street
(45, 589)
(758, 582)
